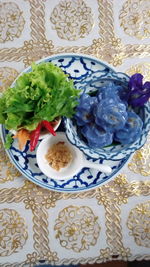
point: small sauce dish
(77, 162)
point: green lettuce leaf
(8, 141)
(42, 94)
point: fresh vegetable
(8, 141)
(34, 137)
(42, 94)
(48, 126)
(23, 136)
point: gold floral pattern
(13, 232)
(72, 19)
(143, 68)
(113, 220)
(125, 253)
(77, 228)
(35, 50)
(37, 194)
(51, 257)
(135, 18)
(140, 162)
(11, 21)
(8, 172)
(7, 76)
(31, 47)
(49, 200)
(105, 49)
(30, 203)
(32, 259)
(117, 191)
(105, 254)
(117, 59)
(139, 224)
(109, 47)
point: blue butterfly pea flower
(138, 93)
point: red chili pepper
(49, 127)
(34, 137)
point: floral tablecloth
(109, 222)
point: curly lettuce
(9, 140)
(42, 94)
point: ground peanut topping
(58, 156)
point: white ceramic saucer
(77, 163)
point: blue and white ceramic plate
(78, 67)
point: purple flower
(139, 93)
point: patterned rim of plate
(88, 177)
(58, 185)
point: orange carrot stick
(23, 136)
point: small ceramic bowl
(77, 162)
(116, 152)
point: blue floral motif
(87, 178)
